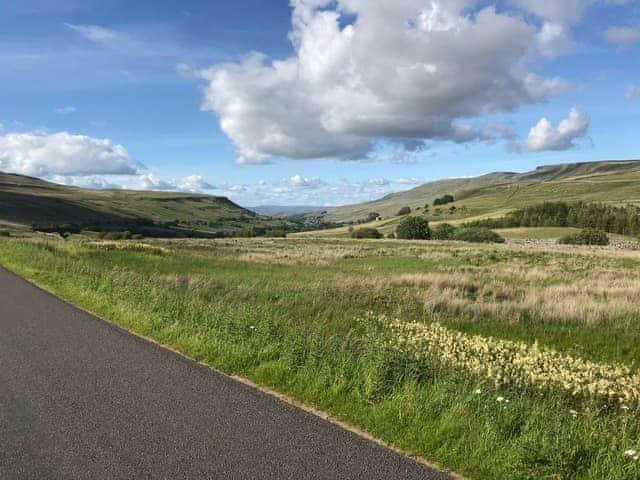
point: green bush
(588, 236)
(444, 200)
(275, 233)
(404, 211)
(5, 233)
(444, 231)
(366, 233)
(413, 228)
(477, 235)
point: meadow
(513, 361)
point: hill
(51, 207)
(609, 181)
(493, 195)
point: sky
(312, 102)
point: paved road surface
(80, 399)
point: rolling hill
(495, 194)
(608, 181)
(51, 207)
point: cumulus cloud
(298, 181)
(633, 91)
(193, 184)
(44, 154)
(544, 136)
(146, 181)
(623, 36)
(554, 39)
(94, 33)
(371, 70)
(563, 11)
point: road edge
(255, 386)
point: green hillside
(497, 193)
(51, 207)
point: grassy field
(497, 361)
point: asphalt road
(81, 399)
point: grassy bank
(307, 318)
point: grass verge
(292, 329)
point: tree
(445, 199)
(366, 233)
(586, 237)
(414, 228)
(373, 216)
(444, 231)
(404, 211)
(477, 235)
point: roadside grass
(293, 315)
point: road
(82, 399)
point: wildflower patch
(517, 364)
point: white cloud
(407, 181)
(633, 91)
(94, 33)
(554, 39)
(193, 184)
(65, 110)
(623, 36)
(402, 70)
(43, 154)
(146, 181)
(150, 181)
(298, 181)
(86, 181)
(563, 11)
(544, 136)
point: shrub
(444, 231)
(373, 216)
(477, 235)
(275, 233)
(404, 211)
(366, 233)
(413, 228)
(444, 200)
(5, 233)
(586, 237)
(248, 232)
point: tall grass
(292, 328)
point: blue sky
(363, 99)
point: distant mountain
(497, 193)
(48, 206)
(283, 210)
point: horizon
(299, 206)
(277, 105)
